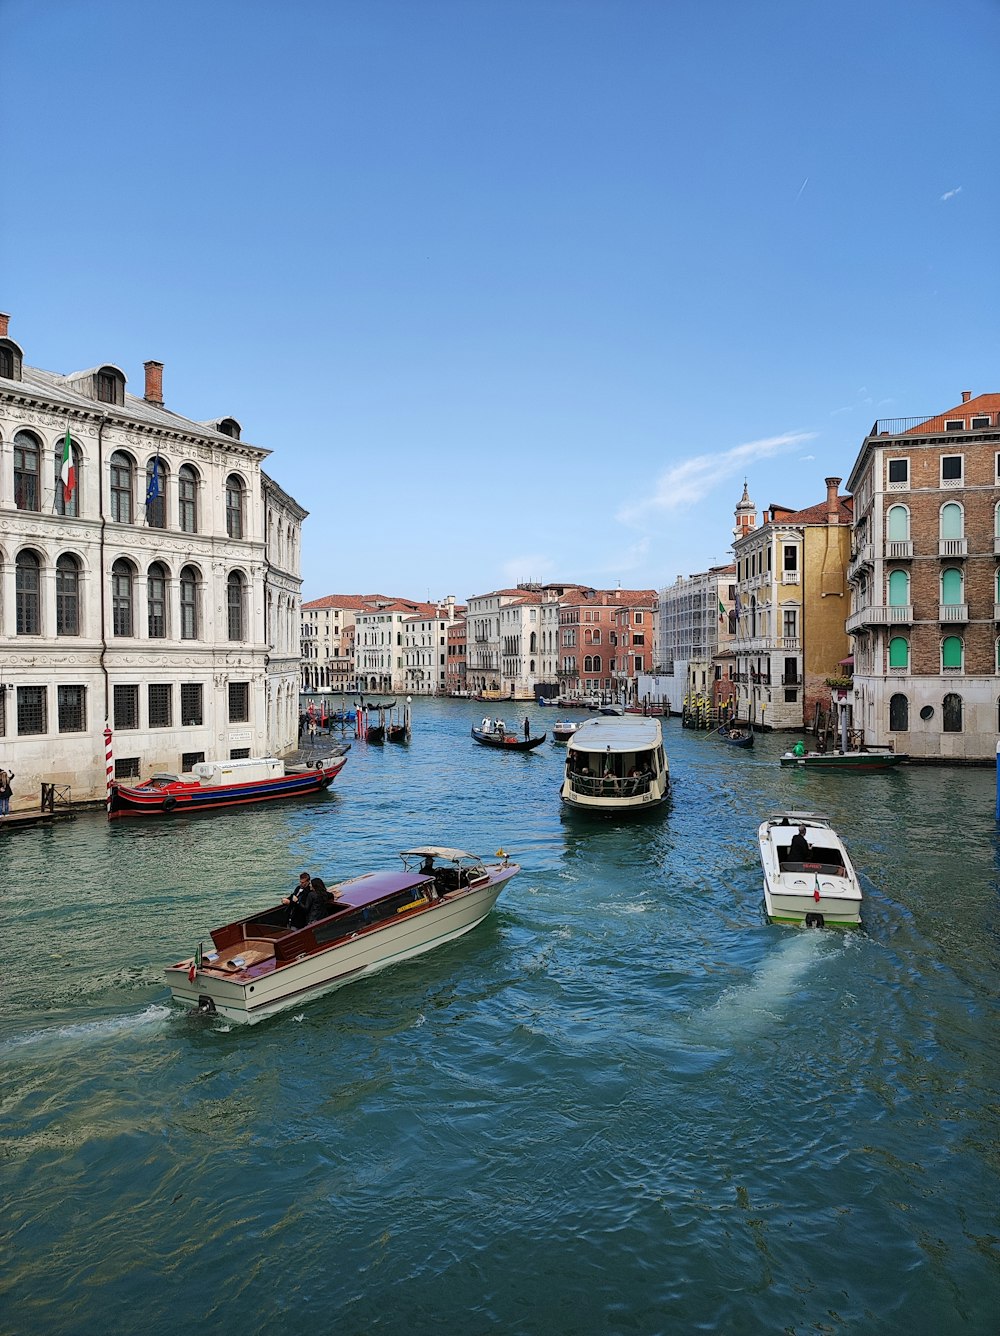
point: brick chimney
(4, 322)
(832, 503)
(966, 396)
(154, 383)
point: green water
(622, 1104)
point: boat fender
(318, 765)
(169, 803)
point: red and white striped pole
(109, 767)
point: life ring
(169, 803)
(318, 765)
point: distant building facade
(149, 578)
(925, 583)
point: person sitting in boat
(427, 866)
(799, 850)
(319, 900)
(297, 911)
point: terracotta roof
(817, 514)
(981, 405)
(608, 598)
(351, 602)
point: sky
(513, 289)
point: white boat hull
(248, 1001)
(821, 894)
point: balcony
(899, 549)
(953, 547)
(953, 612)
(864, 556)
(874, 615)
(790, 577)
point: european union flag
(153, 486)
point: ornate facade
(149, 581)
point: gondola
(507, 741)
(738, 735)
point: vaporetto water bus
(616, 765)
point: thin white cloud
(628, 560)
(801, 188)
(689, 481)
(950, 194)
(806, 459)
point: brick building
(924, 583)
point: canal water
(624, 1103)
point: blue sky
(513, 289)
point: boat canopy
(627, 733)
(374, 886)
(438, 851)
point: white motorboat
(819, 891)
(616, 765)
(258, 965)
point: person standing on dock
(5, 791)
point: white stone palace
(159, 593)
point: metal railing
(610, 786)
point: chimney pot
(966, 396)
(832, 503)
(4, 322)
(154, 383)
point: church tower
(746, 514)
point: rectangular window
(954, 424)
(31, 710)
(160, 704)
(127, 768)
(980, 422)
(789, 624)
(239, 702)
(72, 703)
(126, 707)
(239, 754)
(191, 704)
(791, 695)
(638, 638)
(790, 559)
(899, 472)
(951, 468)
(190, 759)
(638, 619)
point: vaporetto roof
(624, 733)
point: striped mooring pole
(109, 768)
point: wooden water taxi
(258, 965)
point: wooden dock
(10, 825)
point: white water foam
(85, 1031)
(751, 1006)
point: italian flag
(722, 611)
(67, 473)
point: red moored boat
(225, 784)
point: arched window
(952, 520)
(951, 652)
(597, 663)
(234, 506)
(187, 498)
(899, 713)
(67, 596)
(189, 603)
(899, 652)
(996, 520)
(897, 524)
(951, 713)
(951, 585)
(588, 663)
(532, 643)
(121, 597)
(68, 479)
(121, 487)
(156, 493)
(27, 458)
(899, 589)
(236, 606)
(28, 593)
(156, 600)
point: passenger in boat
(799, 850)
(486, 726)
(501, 727)
(427, 866)
(319, 900)
(297, 911)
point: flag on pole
(739, 605)
(153, 486)
(67, 474)
(195, 965)
(722, 611)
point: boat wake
(90, 1031)
(745, 1008)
